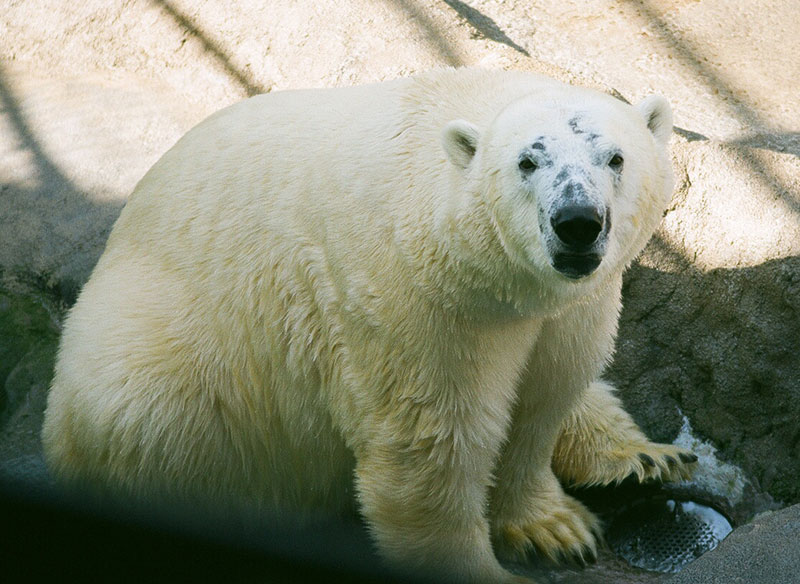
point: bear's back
(296, 162)
(316, 136)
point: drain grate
(663, 535)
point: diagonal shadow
(483, 25)
(687, 54)
(213, 48)
(779, 142)
(33, 217)
(433, 36)
(47, 171)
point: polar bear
(397, 296)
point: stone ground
(93, 92)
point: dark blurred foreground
(48, 535)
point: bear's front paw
(600, 444)
(660, 462)
(643, 461)
(557, 527)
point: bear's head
(575, 181)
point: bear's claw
(661, 462)
(560, 529)
(600, 444)
(641, 461)
(647, 460)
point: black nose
(577, 226)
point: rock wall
(711, 324)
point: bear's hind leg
(600, 444)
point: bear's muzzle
(581, 231)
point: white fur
(305, 298)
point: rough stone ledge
(765, 551)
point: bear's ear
(460, 141)
(657, 113)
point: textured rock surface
(28, 338)
(95, 92)
(753, 554)
(711, 323)
(28, 341)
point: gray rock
(28, 338)
(29, 470)
(765, 551)
(28, 341)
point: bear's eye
(616, 162)
(527, 165)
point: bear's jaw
(576, 265)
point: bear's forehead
(580, 126)
(574, 125)
(569, 118)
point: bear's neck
(460, 261)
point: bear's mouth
(576, 265)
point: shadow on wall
(482, 26)
(689, 54)
(213, 48)
(51, 231)
(719, 347)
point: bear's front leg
(600, 444)
(425, 506)
(531, 514)
(529, 511)
(429, 437)
(425, 456)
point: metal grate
(664, 535)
